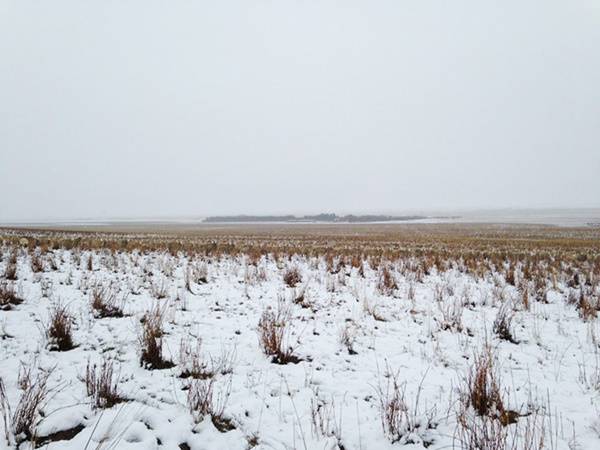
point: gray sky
(180, 108)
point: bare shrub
(324, 420)
(159, 288)
(200, 273)
(573, 297)
(503, 323)
(347, 336)
(524, 296)
(509, 276)
(167, 266)
(10, 273)
(481, 433)
(300, 298)
(5, 411)
(151, 339)
(102, 385)
(438, 293)
(52, 261)
(187, 278)
(482, 390)
(21, 426)
(386, 282)
(104, 303)
(9, 296)
(452, 311)
(505, 432)
(36, 262)
(192, 361)
(587, 305)
(203, 401)
(292, 276)
(332, 264)
(483, 419)
(255, 274)
(46, 287)
(272, 331)
(227, 361)
(59, 329)
(402, 422)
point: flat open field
(180, 336)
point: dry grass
(502, 325)
(386, 283)
(347, 336)
(102, 385)
(192, 361)
(527, 264)
(59, 330)
(9, 296)
(402, 421)
(325, 420)
(151, 339)
(291, 276)
(22, 424)
(474, 244)
(483, 420)
(272, 335)
(36, 262)
(5, 410)
(482, 390)
(10, 273)
(204, 400)
(104, 303)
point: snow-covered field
(383, 352)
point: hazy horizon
(148, 109)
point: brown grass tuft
(59, 330)
(292, 276)
(8, 295)
(272, 331)
(151, 339)
(103, 302)
(102, 385)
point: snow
(553, 368)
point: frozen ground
(357, 327)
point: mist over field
(190, 109)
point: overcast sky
(195, 108)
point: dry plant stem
(203, 401)
(22, 425)
(192, 361)
(151, 339)
(292, 277)
(102, 385)
(60, 329)
(272, 330)
(503, 323)
(399, 419)
(104, 302)
(482, 389)
(9, 296)
(10, 273)
(386, 284)
(5, 411)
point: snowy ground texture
(379, 353)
